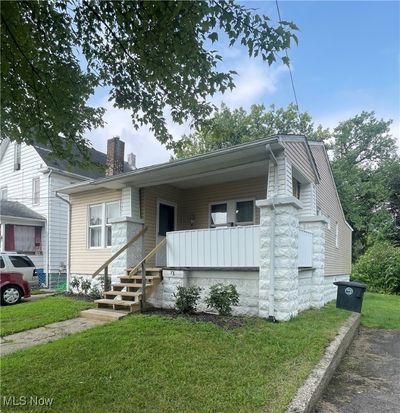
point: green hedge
(379, 267)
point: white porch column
(316, 225)
(278, 282)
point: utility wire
(290, 70)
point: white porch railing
(215, 247)
(305, 249)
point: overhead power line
(290, 70)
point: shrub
(379, 267)
(75, 283)
(222, 298)
(85, 285)
(186, 299)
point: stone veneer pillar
(123, 229)
(316, 225)
(279, 257)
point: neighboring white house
(33, 218)
(264, 215)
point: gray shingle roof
(62, 164)
(18, 210)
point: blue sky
(347, 60)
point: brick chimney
(115, 156)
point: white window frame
(35, 181)
(231, 213)
(337, 235)
(103, 225)
(4, 189)
(17, 157)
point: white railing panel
(305, 249)
(214, 247)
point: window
(112, 211)
(100, 229)
(219, 214)
(21, 262)
(337, 235)
(245, 212)
(23, 238)
(232, 212)
(2, 262)
(296, 188)
(36, 191)
(17, 157)
(95, 225)
(3, 193)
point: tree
(230, 127)
(366, 166)
(152, 56)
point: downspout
(271, 299)
(68, 237)
(48, 228)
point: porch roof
(13, 211)
(238, 162)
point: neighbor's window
(23, 238)
(17, 157)
(3, 193)
(100, 217)
(244, 212)
(36, 191)
(219, 214)
(296, 188)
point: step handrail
(120, 251)
(149, 255)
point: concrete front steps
(125, 296)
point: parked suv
(11, 262)
(13, 287)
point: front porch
(254, 225)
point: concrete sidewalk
(368, 379)
(50, 332)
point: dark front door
(166, 223)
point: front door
(165, 223)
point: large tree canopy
(152, 55)
(230, 127)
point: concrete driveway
(368, 379)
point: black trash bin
(350, 295)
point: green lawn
(151, 363)
(37, 313)
(381, 311)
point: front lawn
(153, 363)
(381, 311)
(37, 313)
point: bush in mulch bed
(226, 322)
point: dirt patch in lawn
(226, 322)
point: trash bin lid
(351, 284)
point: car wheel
(10, 295)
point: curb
(311, 391)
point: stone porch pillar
(316, 225)
(278, 279)
(123, 229)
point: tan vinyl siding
(86, 260)
(297, 154)
(337, 260)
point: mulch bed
(226, 322)
(80, 297)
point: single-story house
(264, 215)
